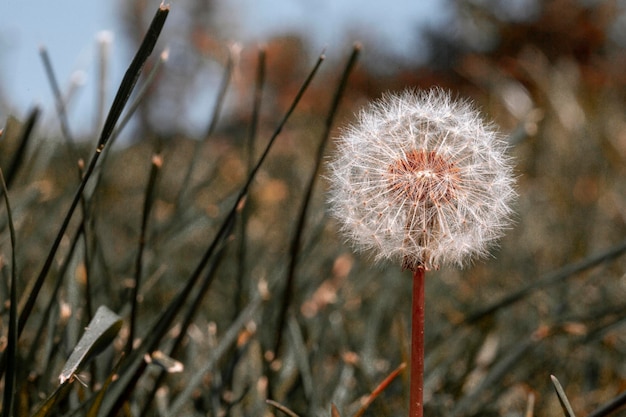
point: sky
(70, 29)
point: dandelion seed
(423, 180)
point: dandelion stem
(416, 405)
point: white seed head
(423, 180)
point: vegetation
(203, 276)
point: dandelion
(422, 180)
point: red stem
(416, 405)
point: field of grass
(225, 282)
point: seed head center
(425, 177)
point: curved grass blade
(11, 349)
(567, 407)
(282, 408)
(99, 334)
(145, 87)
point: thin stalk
(416, 404)
(296, 242)
(19, 155)
(11, 348)
(86, 221)
(157, 162)
(123, 93)
(130, 375)
(608, 408)
(41, 329)
(215, 116)
(547, 280)
(59, 102)
(104, 51)
(186, 322)
(252, 133)
(379, 389)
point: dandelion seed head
(423, 180)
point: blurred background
(405, 42)
(549, 73)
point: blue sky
(69, 30)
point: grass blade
(132, 74)
(47, 407)
(18, 157)
(104, 52)
(296, 242)
(59, 102)
(567, 407)
(102, 329)
(282, 408)
(157, 163)
(97, 402)
(379, 389)
(217, 110)
(609, 407)
(134, 362)
(251, 311)
(549, 279)
(53, 296)
(186, 322)
(120, 100)
(11, 348)
(245, 212)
